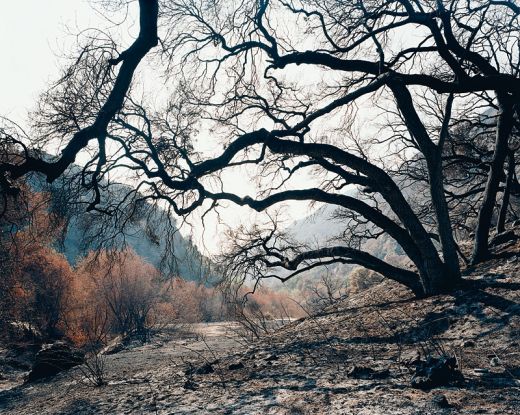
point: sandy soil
(138, 378)
(306, 367)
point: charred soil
(359, 357)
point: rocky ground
(356, 358)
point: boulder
(435, 372)
(54, 358)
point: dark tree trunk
(503, 131)
(502, 215)
(406, 277)
(450, 270)
(448, 244)
(422, 251)
(432, 270)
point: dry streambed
(355, 359)
(140, 378)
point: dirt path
(139, 380)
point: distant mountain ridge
(154, 235)
(322, 228)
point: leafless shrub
(326, 292)
(205, 363)
(254, 322)
(96, 331)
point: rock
(495, 361)
(468, 343)
(362, 372)
(435, 372)
(236, 366)
(503, 237)
(205, 369)
(441, 401)
(190, 385)
(54, 358)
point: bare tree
(327, 291)
(236, 72)
(96, 330)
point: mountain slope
(150, 231)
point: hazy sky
(32, 34)
(35, 35)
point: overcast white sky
(34, 37)
(32, 33)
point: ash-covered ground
(358, 357)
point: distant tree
(35, 279)
(124, 285)
(193, 302)
(235, 66)
(327, 291)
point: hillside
(323, 228)
(356, 358)
(152, 232)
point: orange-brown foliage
(36, 283)
(192, 302)
(40, 287)
(121, 284)
(276, 304)
(107, 293)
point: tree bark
(501, 222)
(450, 275)
(503, 131)
(354, 256)
(448, 244)
(432, 270)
